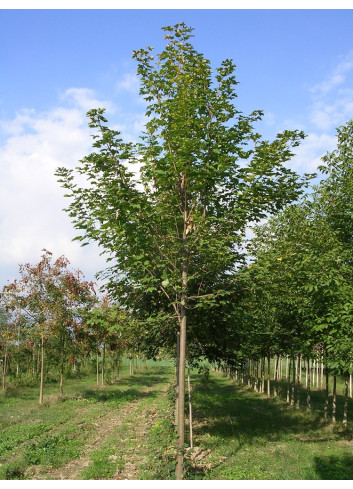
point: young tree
(49, 297)
(205, 174)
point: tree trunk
(334, 400)
(177, 380)
(97, 366)
(268, 377)
(288, 371)
(292, 401)
(190, 407)
(181, 397)
(287, 362)
(4, 368)
(308, 400)
(326, 394)
(263, 366)
(317, 373)
(275, 377)
(61, 380)
(102, 368)
(350, 385)
(41, 372)
(298, 371)
(345, 409)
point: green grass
(49, 436)
(252, 437)
(238, 434)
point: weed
(12, 471)
(52, 450)
(104, 464)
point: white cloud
(309, 153)
(129, 82)
(333, 97)
(31, 200)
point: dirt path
(105, 425)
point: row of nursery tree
(298, 287)
(175, 235)
(52, 325)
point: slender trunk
(287, 363)
(183, 315)
(322, 374)
(190, 407)
(97, 365)
(268, 377)
(177, 379)
(326, 394)
(61, 391)
(181, 397)
(307, 370)
(298, 371)
(317, 373)
(308, 403)
(41, 372)
(33, 361)
(313, 365)
(4, 368)
(102, 368)
(288, 371)
(345, 409)
(350, 385)
(275, 377)
(292, 402)
(334, 399)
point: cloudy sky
(296, 65)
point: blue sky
(296, 65)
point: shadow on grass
(128, 388)
(233, 416)
(116, 395)
(232, 410)
(334, 468)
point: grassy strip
(251, 437)
(49, 436)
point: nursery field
(124, 431)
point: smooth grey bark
(268, 377)
(177, 379)
(308, 399)
(41, 371)
(326, 395)
(292, 401)
(334, 400)
(97, 365)
(298, 372)
(181, 398)
(61, 388)
(190, 408)
(289, 365)
(345, 408)
(102, 368)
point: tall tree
(205, 173)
